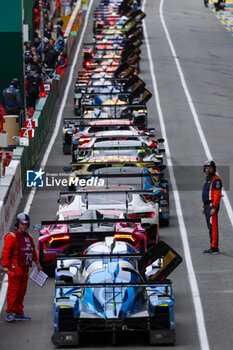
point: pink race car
(73, 231)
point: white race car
(125, 198)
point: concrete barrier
(10, 194)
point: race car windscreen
(106, 198)
(96, 128)
(116, 152)
(133, 181)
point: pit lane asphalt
(205, 51)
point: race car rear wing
(130, 108)
(113, 42)
(122, 71)
(123, 51)
(132, 14)
(150, 163)
(131, 60)
(122, 175)
(170, 258)
(75, 121)
(95, 146)
(82, 122)
(104, 46)
(124, 82)
(136, 35)
(86, 191)
(91, 78)
(66, 196)
(125, 71)
(80, 240)
(135, 112)
(123, 97)
(137, 90)
(88, 221)
(104, 122)
(126, 32)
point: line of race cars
(110, 265)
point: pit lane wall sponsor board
(11, 193)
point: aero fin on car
(146, 96)
(171, 259)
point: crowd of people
(46, 55)
(43, 58)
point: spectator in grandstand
(37, 40)
(48, 30)
(58, 7)
(51, 55)
(33, 51)
(11, 98)
(27, 53)
(33, 86)
(59, 31)
(47, 6)
(36, 21)
(62, 64)
(39, 48)
(60, 45)
(46, 18)
(36, 63)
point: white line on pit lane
(202, 333)
(53, 138)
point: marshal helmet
(209, 162)
(22, 218)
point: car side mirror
(158, 193)
(162, 167)
(161, 150)
(61, 200)
(67, 169)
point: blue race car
(112, 290)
